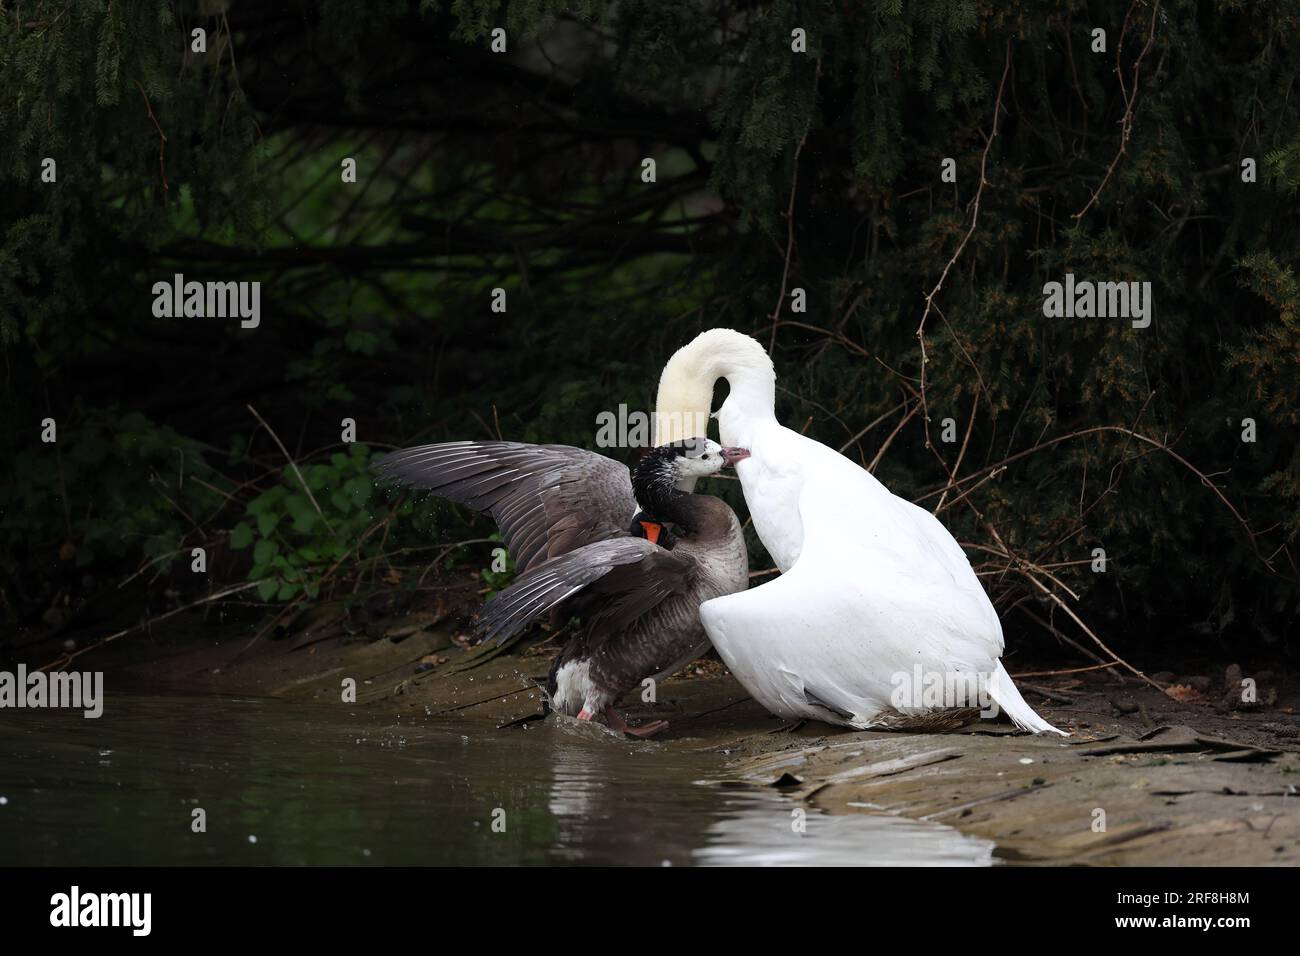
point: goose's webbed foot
(615, 720)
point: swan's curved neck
(686, 385)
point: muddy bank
(1145, 778)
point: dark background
(776, 171)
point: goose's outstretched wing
(547, 499)
(617, 581)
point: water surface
(282, 783)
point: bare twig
(1062, 673)
(69, 656)
(974, 221)
(858, 435)
(962, 496)
(1052, 596)
(294, 465)
(1251, 535)
(1067, 639)
(789, 218)
(961, 453)
(1130, 98)
(880, 453)
(162, 137)
(449, 549)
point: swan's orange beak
(732, 455)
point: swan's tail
(1002, 690)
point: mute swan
(564, 514)
(877, 619)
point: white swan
(877, 619)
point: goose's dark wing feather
(617, 580)
(546, 499)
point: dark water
(286, 784)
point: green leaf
(264, 551)
(241, 536)
(266, 522)
(301, 511)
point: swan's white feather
(872, 585)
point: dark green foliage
(113, 485)
(522, 171)
(293, 543)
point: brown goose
(582, 549)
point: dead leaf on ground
(1185, 693)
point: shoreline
(1143, 780)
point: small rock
(1124, 705)
(1163, 677)
(1197, 681)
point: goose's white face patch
(703, 458)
